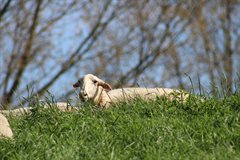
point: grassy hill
(141, 130)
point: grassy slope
(140, 130)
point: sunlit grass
(162, 129)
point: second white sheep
(101, 93)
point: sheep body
(62, 106)
(15, 112)
(5, 130)
(101, 93)
(128, 94)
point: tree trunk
(228, 52)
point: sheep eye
(94, 81)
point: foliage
(127, 43)
(196, 129)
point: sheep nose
(83, 95)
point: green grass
(140, 130)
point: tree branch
(26, 54)
(77, 55)
(4, 9)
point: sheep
(15, 112)
(101, 93)
(5, 130)
(62, 106)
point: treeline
(148, 43)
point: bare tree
(123, 41)
(219, 49)
(27, 48)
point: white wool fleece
(101, 93)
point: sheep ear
(76, 85)
(105, 86)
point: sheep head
(90, 87)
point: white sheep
(62, 106)
(5, 130)
(15, 112)
(101, 93)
